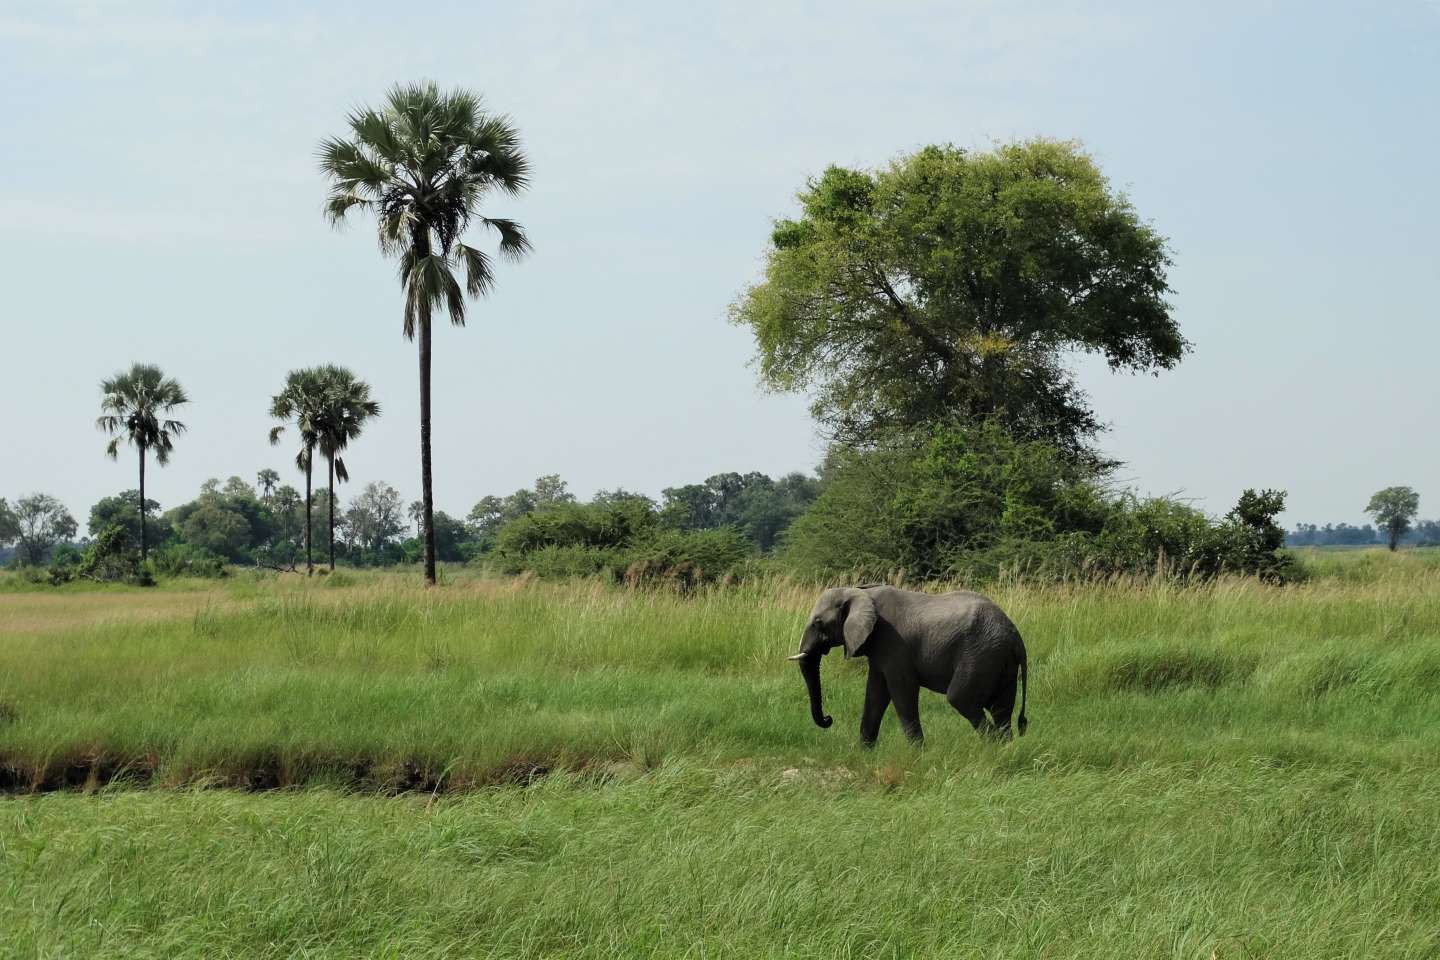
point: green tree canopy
(376, 517)
(951, 285)
(1393, 509)
(123, 511)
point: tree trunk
(309, 462)
(144, 547)
(332, 513)
(426, 495)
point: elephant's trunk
(810, 670)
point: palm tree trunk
(309, 563)
(332, 513)
(426, 496)
(143, 546)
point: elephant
(960, 644)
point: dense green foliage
(621, 539)
(950, 285)
(1223, 771)
(976, 503)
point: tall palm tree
(302, 403)
(423, 163)
(345, 408)
(134, 404)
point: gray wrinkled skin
(959, 644)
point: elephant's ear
(859, 621)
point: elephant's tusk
(798, 656)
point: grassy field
(511, 769)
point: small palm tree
(345, 408)
(267, 480)
(423, 163)
(134, 403)
(302, 403)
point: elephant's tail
(1020, 722)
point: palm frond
(478, 277)
(513, 242)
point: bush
(972, 503)
(180, 559)
(687, 560)
(599, 525)
(620, 540)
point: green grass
(1226, 771)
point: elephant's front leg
(877, 698)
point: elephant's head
(843, 616)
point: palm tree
(301, 402)
(134, 403)
(345, 408)
(423, 163)
(267, 480)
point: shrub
(687, 560)
(975, 504)
(180, 559)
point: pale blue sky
(161, 204)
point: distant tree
(450, 538)
(41, 523)
(134, 404)
(9, 524)
(423, 163)
(752, 503)
(213, 526)
(375, 517)
(621, 495)
(1392, 509)
(550, 490)
(952, 285)
(267, 480)
(346, 408)
(226, 522)
(301, 402)
(123, 511)
(286, 508)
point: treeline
(1424, 533)
(237, 523)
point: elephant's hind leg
(969, 692)
(1002, 701)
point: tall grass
(501, 768)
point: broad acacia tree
(1393, 509)
(423, 163)
(951, 285)
(135, 403)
